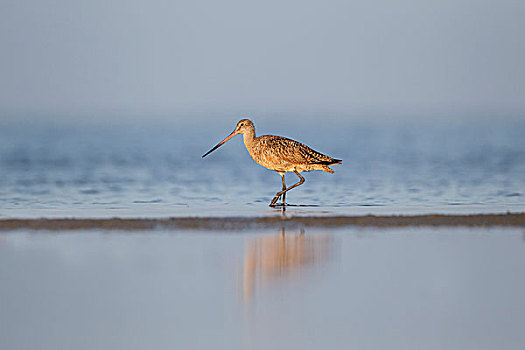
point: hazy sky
(83, 57)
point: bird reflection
(273, 259)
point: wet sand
(244, 223)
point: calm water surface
(157, 169)
(417, 288)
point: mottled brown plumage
(280, 154)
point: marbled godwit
(280, 154)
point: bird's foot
(276, 198)
(274, 203)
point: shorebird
(279, 154)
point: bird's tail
(327, 169)
(324, 165)
(330, 162)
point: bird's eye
(242, 124)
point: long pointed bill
(220, 143)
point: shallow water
(431, 288)
(156, 169)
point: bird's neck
(248, 138)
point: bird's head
(244, 126)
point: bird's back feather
(291, 151)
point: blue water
(156, 168)
(351, 288)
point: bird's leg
(301, 181)
(284, 187)
(278, 196)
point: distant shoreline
(244, 223)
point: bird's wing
(293, 152)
